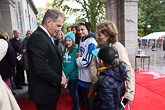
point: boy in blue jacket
(111, 83)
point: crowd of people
(79, 61)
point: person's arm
(85, 60)
(123, 57)
(39, 53)
(93, 70)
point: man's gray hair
(53, 15)
(16, 30)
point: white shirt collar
(17, 38)
(45, 30)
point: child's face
(68, 42)
(82, 31)
(101, 37)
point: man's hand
(129, 100)
(64, 81)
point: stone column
(124, 13)
(5, 18)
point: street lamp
(149, 29)
(148, 26)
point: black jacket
(45, 68)
(110, 88)
(6, 65)
(16, 45)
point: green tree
(91, 10)
(150, 12)
(40, 15)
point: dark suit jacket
(16, 45)
(17, 48)
(45, 68)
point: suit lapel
(50, 41)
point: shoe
(19, 87)
(24, 84)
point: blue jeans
(72, 85)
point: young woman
(70, 67)
(84, 58)
(108, 35)
(75, 31)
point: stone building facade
(124, 13)
(17, 14)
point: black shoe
(19, 87)
(24, 84)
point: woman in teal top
(70, 67)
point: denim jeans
(72, 85)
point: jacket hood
(118, 72)
(90, 35)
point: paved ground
(157, 60)
(157, 63)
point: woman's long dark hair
(76, 27)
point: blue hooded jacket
(110, 88)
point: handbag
(92, 90)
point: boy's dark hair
(86, 24)
(108, 54)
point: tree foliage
(151, 12)
(91, 10)
(40, 15)
(42, 11)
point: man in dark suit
(19, 78)
(45, 63)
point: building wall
(29, 13)
(1, 23)
(14, 14)
(5, 18)
(33, 19)
(124, 14)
